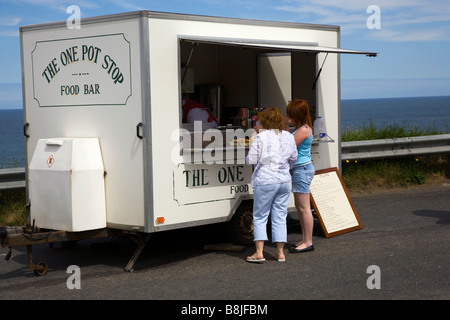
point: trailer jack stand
(141, 242)
(9, 254)
(39, 269)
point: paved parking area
(402, 252)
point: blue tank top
(304, 150)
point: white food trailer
(106, 146)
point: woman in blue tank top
(303, 171)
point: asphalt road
(402, 252)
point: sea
(420, 112)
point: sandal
(255, 260)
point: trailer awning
(273, 45)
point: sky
(412, 37)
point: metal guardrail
(14, 178)
(396, 147)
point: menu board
(332, 203)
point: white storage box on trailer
(124, 79)
(66, 184)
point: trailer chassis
(16, 236)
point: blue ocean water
(12, 140)
(422, 112)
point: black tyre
(240, 228)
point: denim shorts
(302, 177)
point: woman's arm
(301, 135)
(253, 153)
(293, 153)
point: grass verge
(12, 208)
(371, 132)
(371, 175)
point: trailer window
(224, 79)
(225, 86)
(227, 74)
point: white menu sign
(332, 203)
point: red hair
(298, 111)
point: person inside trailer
(194, 111)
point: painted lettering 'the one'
(196, 178)
(51, 70)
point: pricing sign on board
(332, 203)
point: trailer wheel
(241, 225)
(42, 272)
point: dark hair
(298, 111)
(272, 118)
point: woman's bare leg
(303, 205)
